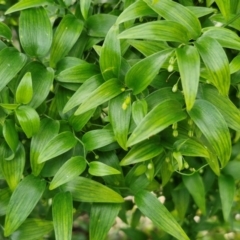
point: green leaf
(28, 119)
(173, 11)
(204, 114)
(102, 94)
(62, 212)
(200, 11)
(97, 138)
(11, 62)
(5, 195)
(235, 64)
(68, 171)
(5, 31)
(87, 190)
(143, 151)
(225, 106)
(158, 30)
(67, 33)
(139, 110)
(152, 208)
(160, 117)
(25, 4)
(99, 24)
(100, 224)
(110, 57)
(101, 169)
(85, 6)
(119, 116)
(22, 202)
(225, 7)
(145, 71)
(12, 170)
(216, 62)
(137, 9)
(194, 185)
(42, 79)
(35, 31)
(83, 92)
(48, 130)
(24, 90)
(227, 192)
(79, 73)
(11, 136)
(189, 67)
(226, 37)
(58, 145)
(32, 229)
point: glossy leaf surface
(101, 169)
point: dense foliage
(119, 110)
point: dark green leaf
(87, 190)
(62, 211)
(67, 33)
(194, 185)
(189, 67)
(5, 195)
(204, 114)
(100, 224)
(68, 171)
(58, 145)
(160, 117)
(227, 192)
(35, 31)
(145, 71)
(216, 62)
(5, 31)
(28, 119)
(152, 208)
(11, 62)
(22, 202)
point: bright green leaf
(225, 7)
(28, 119)
(174, 11)
(100, 224)
(216, 62)
(87, 190)
(160, 117)
(85, 6)
(119, 116)
(22, 202)
(102, 94)
(24, 90)
(5, 195)
(158, 30)
(68, 171)
(189, 67)
(67, 33)
(58, 145)
(145, 71)
(194, 185)
(152, 208)
(204, 114)
(200, 11)
(62, 212)
(235, 64)
(101, 169)
(139, 110)
(11, 62)
(35, 31)
(227, 192)
(110, 57)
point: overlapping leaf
(101, 169)
(5, 31)
(189, 67)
